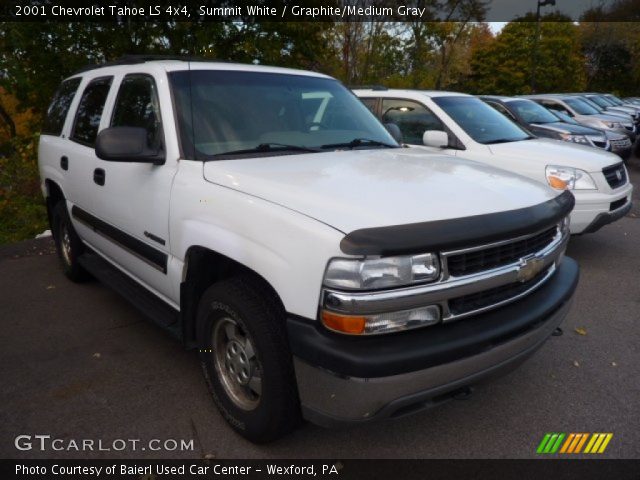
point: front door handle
(64, 162)
(99, 176)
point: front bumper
(593, 209)
(353, 379)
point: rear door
(79, 149)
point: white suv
(267, 219)
(464, 126)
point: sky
(496, 26)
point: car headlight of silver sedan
(581, 139)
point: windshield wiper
(358, 142)
(508, 140)
(269, 147)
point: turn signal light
(343, 323)
(556, 182)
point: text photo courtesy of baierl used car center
(334, 238)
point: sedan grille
(476, 261)
(616, 175)
(618, 144)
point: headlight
(384, 272)
(568, 178)
(612, 124)
(567, 137)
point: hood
(350, 190)
(621, 109)
(562, 127)
(557, 152)
(609, 117)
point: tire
(241, 338)
(68, 244)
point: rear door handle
(99, 176)
(64, 162)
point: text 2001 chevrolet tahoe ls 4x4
(269, 220)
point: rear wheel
(68, 244)
(246, 360)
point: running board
(155, 309)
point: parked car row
(320, 267)
(465, 126)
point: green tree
(504, 66)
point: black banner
(322, 469)
(316, 10)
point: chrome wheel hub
(236, 363)
(65, 243)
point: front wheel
(246, 360)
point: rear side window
(137, 105)
(371, 104)
(85, 127)
(59, 107)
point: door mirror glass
(395, 132)
(127, 144)
(435, 138)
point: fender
(288, 249)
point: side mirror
(435, 138)
(395, 132)
(127, 144)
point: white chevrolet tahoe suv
(267, 219)
(464, 126)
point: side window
(554, 106)
(502, 110)
(57, 111)
(137, 105)
(412, 118)
(371, 104)
(85, 127)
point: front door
(131, 200)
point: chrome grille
(496, 296)
(470, 262)
(615, 175)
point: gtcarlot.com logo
(574, 443)
(45, 443)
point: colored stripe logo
(574, 443)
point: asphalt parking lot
(78, 362)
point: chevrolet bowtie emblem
(529, 267)
(618, 175)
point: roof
(405, 91)
(182, 62)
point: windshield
(580, 106)
(248, 113)
(481, 122)
(615, 100)
(532, 112)
(600, 101)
